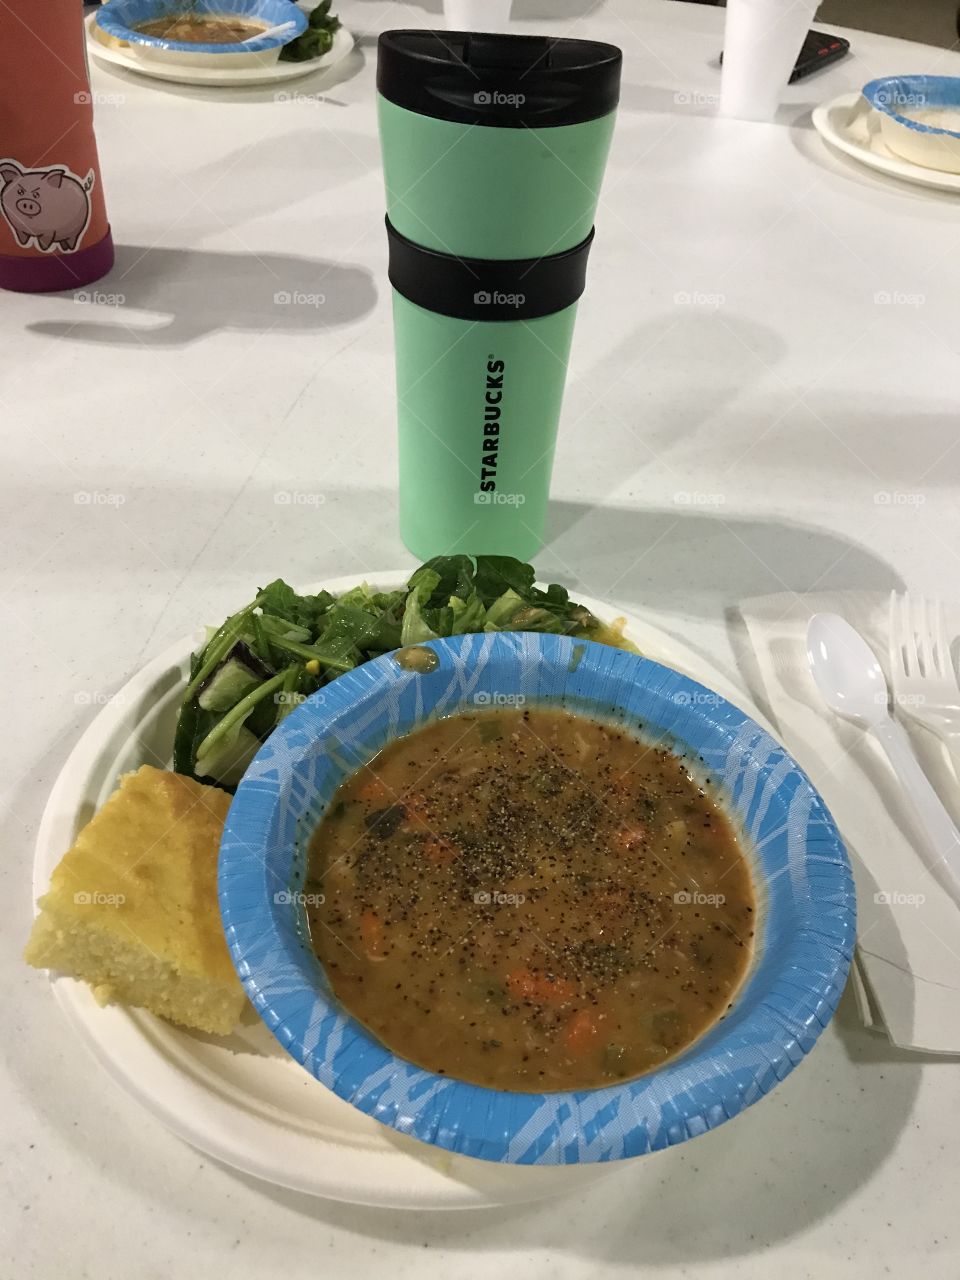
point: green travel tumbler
(494, 148)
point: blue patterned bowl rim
(805, 933)
(889, 92)
(118, 18)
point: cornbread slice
(132, 907)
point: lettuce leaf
(415, 627)
(280, 600)
(308, 640)
(467, 615)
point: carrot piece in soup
(581, 1032)
(440, 852)
(371, 934)
(539, 988)
(628, 839)
(373, 791)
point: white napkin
(906, 976)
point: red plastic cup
(54, 232)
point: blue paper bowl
(806, 924)
(119, 17)
(898, 98)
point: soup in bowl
(202, 33)
(530, 899)
(535, 901)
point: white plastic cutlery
(852, 683)
(921, 668)
(279, 29)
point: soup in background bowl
(194, 28)
(787, 855)
(203, 33)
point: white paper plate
(241, 1099)
(216, 76)
(851, 125)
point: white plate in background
(218, 77)
(851, 125)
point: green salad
(317, 40)
(281, 647)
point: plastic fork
(921, 669)
(846, 671)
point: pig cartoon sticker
(50, 206)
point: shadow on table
(313, 156)
(688, 560)
(194, 293)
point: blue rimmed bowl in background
(118, 19)
(919, 118)
(805, 934)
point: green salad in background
(317, 40)
(281, 647)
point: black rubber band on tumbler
(486, 288)
(504, 81)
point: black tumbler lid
(508, 82)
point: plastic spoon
(271, 31)
(851, 682)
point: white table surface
(711, 449)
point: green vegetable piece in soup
(489, 727)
